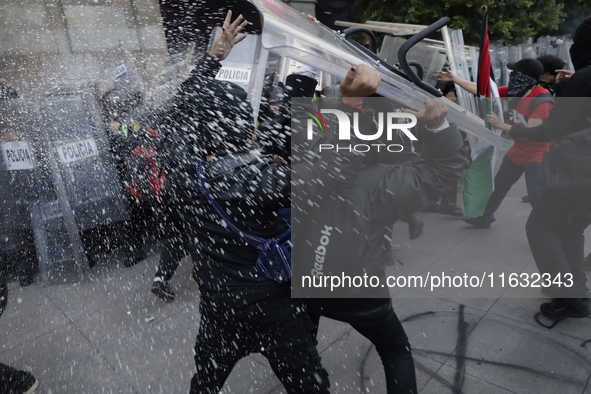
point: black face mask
(519, 84)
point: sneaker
(22, 383)
(451, 209)
(525, 199)
(480, 222)
(162, 289)
(561, 308)
(33, 386)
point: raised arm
(468, 86)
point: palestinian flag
(478, 184)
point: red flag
(484, 60)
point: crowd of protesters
(559, 217)
(244, 311)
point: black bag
(330, 234)
(331, 230)
(274, 254)
(567, 165)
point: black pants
(173, 251)
(174, 244)
(374, 318)
(509, 173)
(555, 234)
(11, 380)
(451, 197)
(275, 326)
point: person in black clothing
(556, 224)
(551, 65)
(417, 185)
(174, 249)
(116, 107)
(403, 190)
(448, 203)
(548, 81)
(242, 311)
(13, 381)
(139, 152)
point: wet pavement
(109, 334)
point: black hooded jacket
(212, 117)
(571, 114)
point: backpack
(331, 234)
(567, 165)
(274, 254)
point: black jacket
(395, 191)
(209, 114)
(408, 189)
(213, 117)
(252, 189)
(571, 113)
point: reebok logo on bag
(321, 251)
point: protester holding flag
(477, 185)
(524, 156)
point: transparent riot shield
(289, 33)
(458, 61)
(429, 58)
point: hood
(580, 51)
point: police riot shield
(61, 179)
(19, 189)
(29, 188)
(78, 142)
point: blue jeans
(509, 173)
